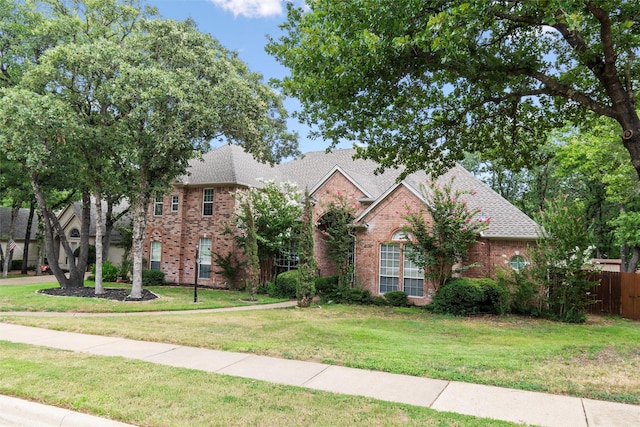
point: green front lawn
(599, 359)
(27, 298)
(146, 394)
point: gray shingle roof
(20, 226)
(229, 164)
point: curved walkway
(471, 399)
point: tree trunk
(51, 227)
(12, 222)
(27, 239)
(99, 288)
(139, 224)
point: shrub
(285, 285)
(464, 296)
(153, 278)
(230, 268)
(109, 272)
(524, 296)
(326, 285)
(346, 295)
(379, 300)
(397, 298)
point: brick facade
(377, 220)
(179, 232)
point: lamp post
(195, 287)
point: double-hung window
(207, 202)
(157, 206)
(389, 267)
(174, 203)
(154, 261)
(204, 272)
(397, 270)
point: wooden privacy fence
(618, 294)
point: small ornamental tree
(443, 231)
(251, 251)
(562, 262)
(276, 215)
(337, 226)
(307, 267)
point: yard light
(195, 286)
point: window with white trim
(174, 203)
(389, 267)
(154, 259)
(397, 270)
(207, 202)
(204, 270)
(413, 276)
(157, 206)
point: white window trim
(206, 202)
(175, 203)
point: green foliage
(397, 298)
(379, 300)
(525, 296)
(277, 218)
(558, 265)
(230, 267)
(443, 231)
(306, 290)
(337, 226)
(347, 295)
(285, 285)
(465, 296)
(110, 272)
(91, 259)
(325, 285)
(251, 251)
(420, 83)
(153, 278)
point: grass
(153, 395)
(172, 298)
(598, 360)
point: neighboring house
(70, 219)
(19, 230)
(200, 207)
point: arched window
(74, 233)
(517, 262)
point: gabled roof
(229, 164)
(20, 224)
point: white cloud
(251, 8)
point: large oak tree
(422, 82)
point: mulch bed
(109, 293)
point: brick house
(200, 207)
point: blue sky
(242, 26)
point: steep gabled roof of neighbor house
(228, 164)
(20, 225)
(117, 209)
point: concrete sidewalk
(471, 399)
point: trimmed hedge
(326, 285)
(285, 285)
(397, 298)
(153, 278)
(465, 296)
